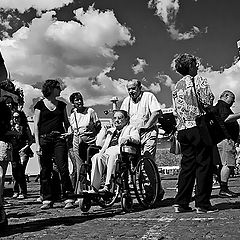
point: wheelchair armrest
(92, 150)
(131, 148)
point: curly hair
(183, 62)
(48, 86)
(76, 95)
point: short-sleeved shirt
(85, 121)
(223, 110)
(50, 120)
(185, 102)
(141, 111)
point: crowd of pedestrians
(59, 137)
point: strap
(75, 117)
(198, 102)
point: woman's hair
(124, 113)
(48, 86)
(183, 62)
(76, 95)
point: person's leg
(15, 177)
(186, 178)
(98, 167)
(227, 155)
(3, 169)
(61, 160)
(204, 177)
(113, 153)
(46, 167)
(79, 161)
(19, 176)
(73, 175)
(149, 146)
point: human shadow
(228, 205)
(41, 224)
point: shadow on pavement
(40, 224)
(228, 205)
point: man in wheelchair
(121, 133)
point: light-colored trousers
(101, 162)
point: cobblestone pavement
(28, 221)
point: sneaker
(77, 201)
(39, 199)
(105, 189)
(47, 205)
(92, 191)
(21, 196)
(15, 195)
(181, 209)
(69, 205)
(227, 194)
(211, 209)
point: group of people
(15, 142)
(58, 136)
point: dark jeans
(18, 174)
(57, 148)
(196, 164)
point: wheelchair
(135, 176)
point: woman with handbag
(85, 125)
(196, 162)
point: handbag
(175, 144)
(210, 125)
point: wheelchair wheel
(147, 182)
(85, 204)
(110, 198)
(126, 202)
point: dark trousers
(18, 174)
(196, 166)
(57, 148)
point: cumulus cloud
(166, 80)
(139, 67)
(75, 51)
(40, 5)
(227, 79)
(167, 10)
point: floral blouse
(185, 101)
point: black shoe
(210, 209)
(181, 209)
(227, 194)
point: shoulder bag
(209, 124)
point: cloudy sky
(95, 47)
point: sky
(96, 47)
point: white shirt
(141, 111)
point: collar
(138, 98)
(223, 103)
